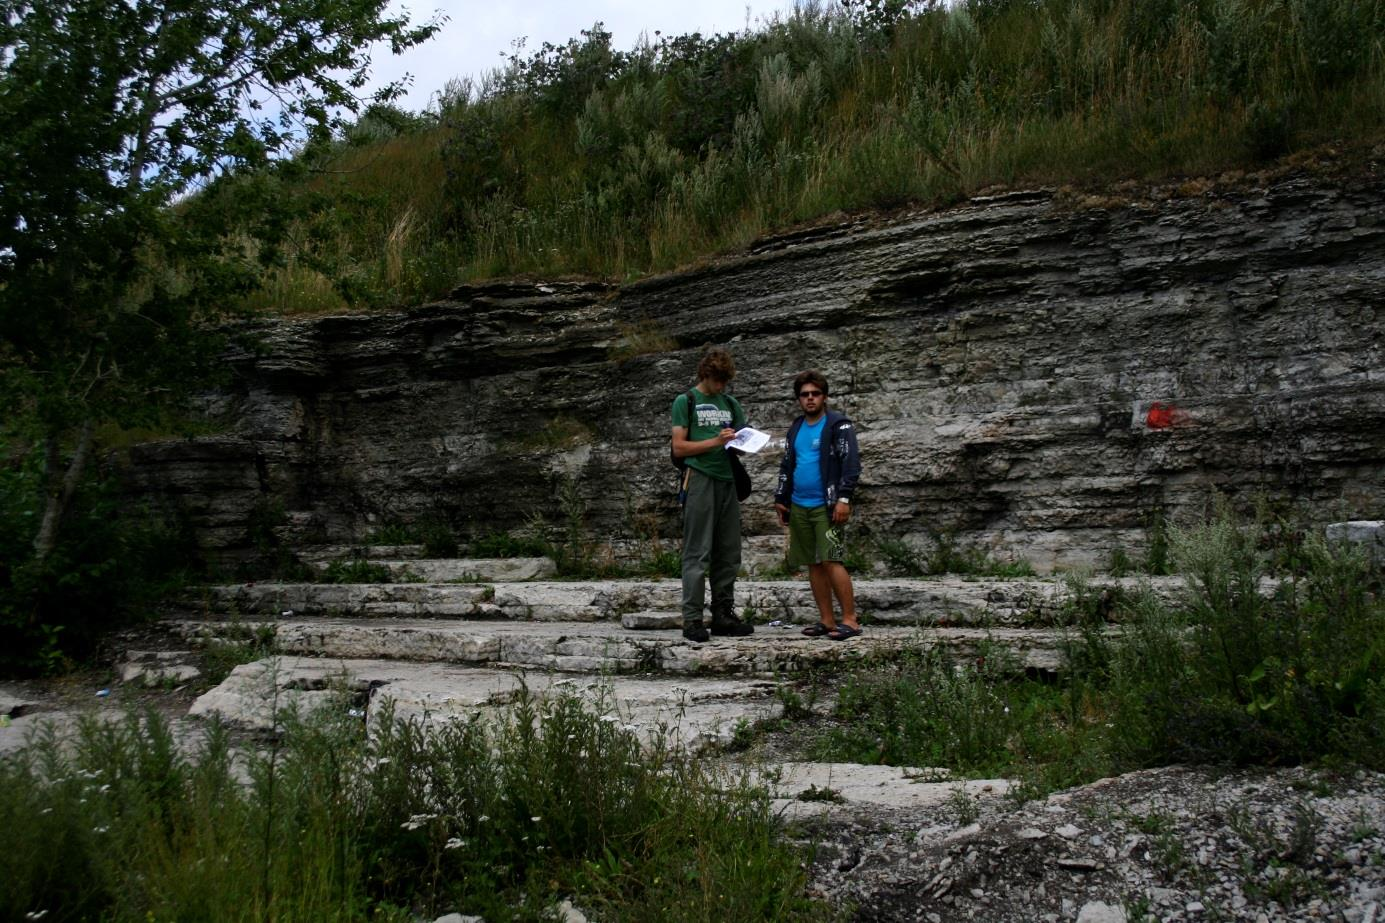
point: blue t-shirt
(808, 489)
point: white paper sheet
(749, 440)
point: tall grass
(1273, 656)
(582, 159)
(498, 819)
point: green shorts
(812, 537)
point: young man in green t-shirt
(711, 513)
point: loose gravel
(1170, 844)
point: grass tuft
(556, 798)
(1272, 656)
(583, 160)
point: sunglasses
(802, 394)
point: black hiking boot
(696, 633)
(728, 626)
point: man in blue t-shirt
(711, 512)
(816, 480)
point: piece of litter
(355, 713)
(777, 623)
(102, 693)
(286, 613)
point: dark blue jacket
(840, 460)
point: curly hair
(810, 377)
(716, 365)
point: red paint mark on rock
(1161, 415)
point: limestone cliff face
(1038, 377)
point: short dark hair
(717, 365)
(810, 377)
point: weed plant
(499, 819)
(437, 538)
(505, 545)
(356, 570)
(1248, 671)
(237, 643)
(272, 559)
(583, 159)
(394, 533)
(944, 556)
(1255, 664)
(975, 715)
(432, 532)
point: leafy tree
(142, 147)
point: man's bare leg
(821, 581)
(839, 579)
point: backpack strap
(736, 409)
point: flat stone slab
(323, 554)
(12, 706)
(606, 648)
(421, 600)
(154, 668)
(25, 720)
(1368, 533)
(652, 621)
(694, 712)
(920, 601)
(460, 570)
(809, 789)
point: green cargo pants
(711, 547)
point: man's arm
(850, 455)
(851, 471)
(783, 490)
(683, 447)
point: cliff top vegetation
(583, 160)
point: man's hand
(683, 448)
(783, 513)
(841, 513)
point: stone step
(658, 620)
(801, 790)
(323, 554)
(155, 668)
(921, 601)
(457, 570)
(605, 648)
(694, 711)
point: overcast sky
(478, 34)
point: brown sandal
(818, 630)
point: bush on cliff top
(583, 159)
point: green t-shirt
(714, 413)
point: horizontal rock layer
(1035, 378)
(910, 602)
(603, 648)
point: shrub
(499, 818)
(356, 570)
(578, 158)
(113, 563)
(439, 541)
(1273, 655)
(927, 709)
(505, 545)
(1248, 671)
